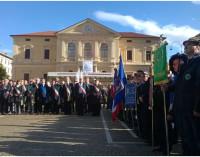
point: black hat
(194, 40)
(177, 55)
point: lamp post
(176, 42)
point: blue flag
(120, 84)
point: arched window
(87, 50)
(71, 50)
(104, 50)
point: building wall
(138, 46)
(59, 60)
(6, 61)
(36, 66)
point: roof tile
(123, 34)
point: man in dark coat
(43, 95)
(54, 95)
(24, 93)
(80, 94)
(186, 106)
(31, 97)
(6, 90)
(88, 100)
(18, 97)
(66, 94)
(95, 92)
(11, 97)
(37, 95)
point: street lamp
(176, 42)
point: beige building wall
(36, 66)
(139, 47)
(79, 35)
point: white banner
(84, 74)
(87, 66)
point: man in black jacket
(66, 94)
(186, 106)
(80, 94)
(95, 92)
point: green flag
(160, 66)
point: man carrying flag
(119, 89)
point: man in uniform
(186, 104)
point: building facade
(36, 54)
(6, 61)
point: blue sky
(177, 20)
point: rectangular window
(26, 76)
(28, 39)
(129, 41)
(45, 76)
(47, 39)
(148, 41)
(46, 54)
(129, 55)
(27, 53)
(148, 55)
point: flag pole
(165, 113)
(123, 110)
(166, 126)
(137, 115)
(132, 109)
(152, 131)
(152, 119)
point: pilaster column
(95, 68)
(96, 52)
(112, 51)
(80, 50)
(58, 50)
(133, 54)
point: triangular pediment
(87, 26)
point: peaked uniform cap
(194, 40)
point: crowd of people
(42, 97)
(176, 105)
(174, 113)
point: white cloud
(6, 50)
(171, 31)
(196, 2)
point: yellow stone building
(36, 54)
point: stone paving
(69, 135)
